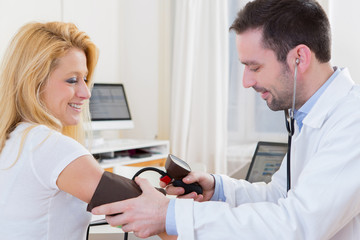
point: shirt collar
(300, 114)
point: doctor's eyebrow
(250, 63)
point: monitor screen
(266, 161)
(109, 108)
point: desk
(106, 232)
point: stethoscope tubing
(289, 120)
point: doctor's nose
(248, 81)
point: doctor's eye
(254, 69)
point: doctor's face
(66, 90)
(263, 72)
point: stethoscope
(289, 120)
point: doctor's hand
(144, 215)
(206, 181)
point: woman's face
(65, 91)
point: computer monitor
(266, 161)
(109, 108)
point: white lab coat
(324, 201)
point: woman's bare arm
(81, 177)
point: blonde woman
(47, 176)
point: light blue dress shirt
(299, 116)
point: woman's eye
(85, 79)
(72, 80)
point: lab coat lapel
(301, 151)
(338, 89)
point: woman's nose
(84, 91)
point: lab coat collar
(338, 89)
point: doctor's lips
(264, 93)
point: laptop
(266, 161)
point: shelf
(112, 154)
(127, 144)
(106, 163)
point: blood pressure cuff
(113, 188)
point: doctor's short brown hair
(286, 24)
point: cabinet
(131, 152)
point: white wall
(139, 64)
(344, 19)
(101, 21)
(15, 13)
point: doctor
(275, 37)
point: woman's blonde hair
(31, 56)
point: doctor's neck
(310, 80)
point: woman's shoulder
(39, 134)
(26, 128)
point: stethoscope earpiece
(297, 61)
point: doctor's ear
(301, 55)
